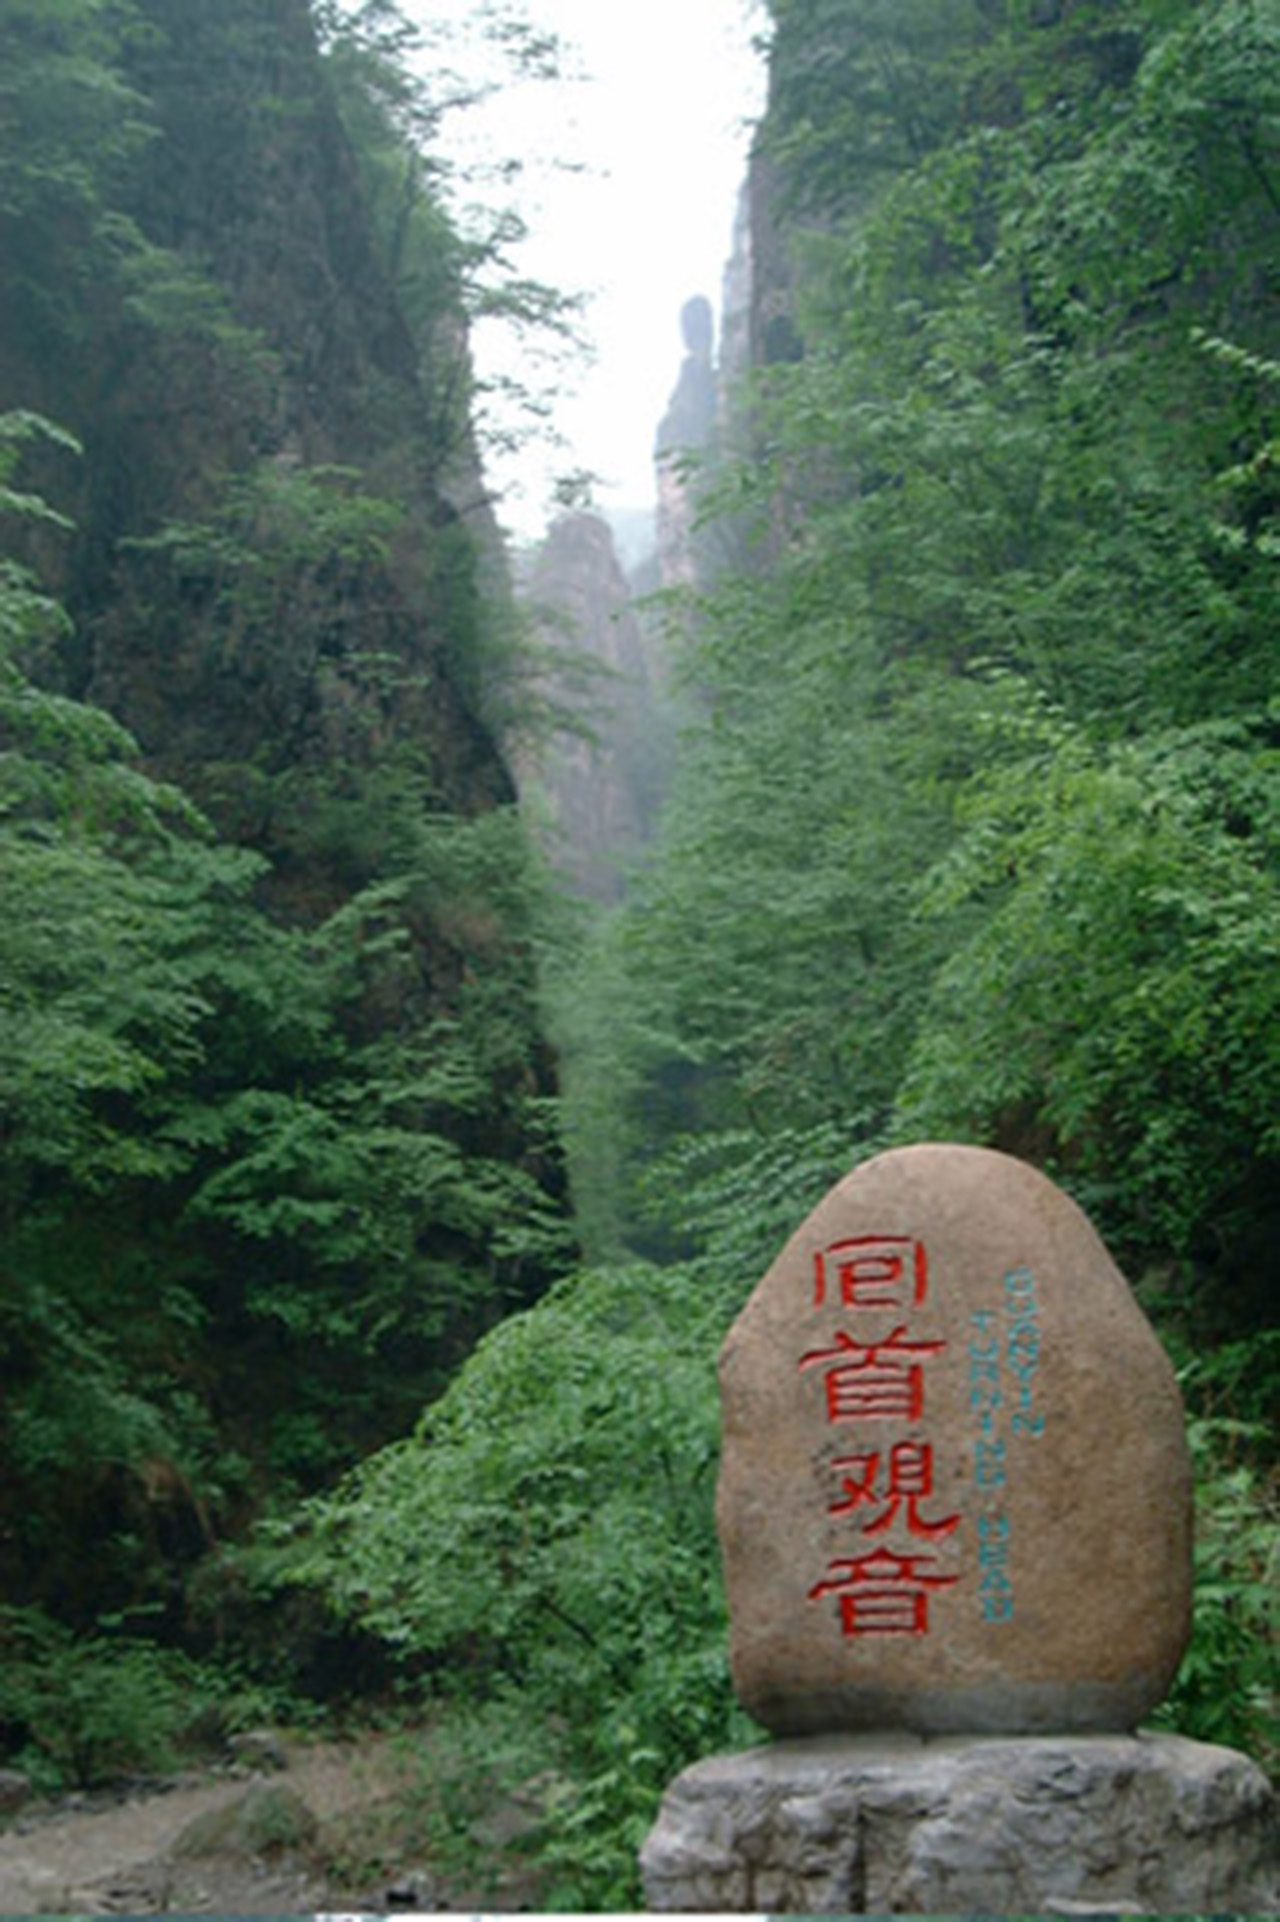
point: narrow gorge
(442, 963)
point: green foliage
(974, 832)
(361, 1188)
(1226, 1688)
(537, 1422)
(231, 1143)
(90, 1710)
(447, 256)
(864, 89)
(275, 522)
(519, 1535)
(1121, 985)
(276, 1142)
(76, 130)
(69, 119)
(976, 835)
(1225, 1691)
(18, 429)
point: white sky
(658, 114)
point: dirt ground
(337, 1829)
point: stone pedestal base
(895, 1824)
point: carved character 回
(872, 1271)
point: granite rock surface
(955, 1494)
(902, 1825)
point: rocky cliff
(237, 340)
(597, 786)
(343, 1172)
(685, 440)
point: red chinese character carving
(859, 1487)
(874, 1385)
(882, 1593)
(872, 1271)
(910, 1481)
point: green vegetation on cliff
(277, 1142)
(978, 836)
(974, 837)
(975, 840)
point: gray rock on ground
(260, 1749)
(895, 1825)
(263, 1822)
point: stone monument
(955, 1516)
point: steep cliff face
(735, 305)
(248, 340)
(598, 790)
(346, 1172)
(685, 437)
(772, 333)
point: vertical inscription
(1004, 1359)
(875, 1373)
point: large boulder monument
(955, 1515)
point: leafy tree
(1007, 460)
(974, 835)
(568, 1470)
(277, 1140)
(1118, 992)
(71, 127)
(99, 1011)
(862, 91)
(446, 241)
(231, 1143)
